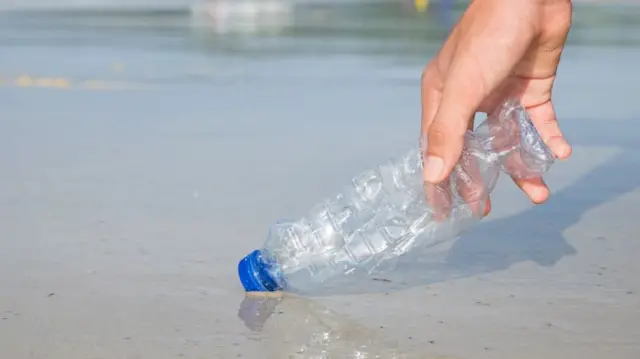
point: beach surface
(142, 155)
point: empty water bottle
(388, 211)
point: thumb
(445, 138)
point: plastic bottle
(388, 211)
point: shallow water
(144, 152)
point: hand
(498, 49)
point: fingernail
(433, 167)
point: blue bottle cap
(254, 274)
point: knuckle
(444, 136)
(437, 136)
(429, 74)
(445, 141)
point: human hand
(498, 49)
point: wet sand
(124, 211)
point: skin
(498, 49)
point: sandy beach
(140, 164)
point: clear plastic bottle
(388, 211)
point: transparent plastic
(388, 211)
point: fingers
(544, 118)
(467, 182)
(466, 179)
(470, 184)
(534, 188)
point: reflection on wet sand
(296, 327)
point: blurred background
(372, 30)
(147, 145)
